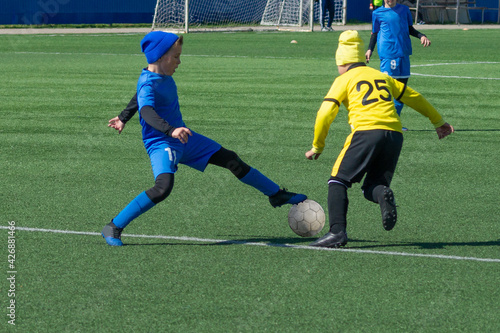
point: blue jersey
(159, 92)
(391, 24)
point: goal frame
(185, 27)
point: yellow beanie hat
(350, 49)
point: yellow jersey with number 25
(368, 97)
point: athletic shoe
(331, 240)
(284, 197)
(112, 234)
(405, 129)
(324, 29)
(388, 209)
(329, 28)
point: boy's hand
(182, 133)
(368, 55)
(310, 155)
(444, 131)
(425, 41)
(117, 124)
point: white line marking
(457, 77)
(457, 63)
(237, 242)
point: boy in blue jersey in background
(169, 142)
(391, 30)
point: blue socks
(136, 207)
(399, 106)
(257, 180)
(142, 203)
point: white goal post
(246, 15)
(298, 12)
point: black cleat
(112, 234)
(284, 197)
(331, 240)
(388, 209)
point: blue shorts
(398, 68)
(195, 153)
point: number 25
(379, 84)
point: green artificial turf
(63, 169)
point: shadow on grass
(283, 241)
(295, 241)
(357, 243)
(262, 241)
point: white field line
(457, 63)
(456, 77)
(236, 242)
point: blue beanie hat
(156, 43)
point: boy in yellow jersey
(373, 147)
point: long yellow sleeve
(326, 115)
(418, 102)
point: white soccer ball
(307, 218)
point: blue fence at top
(76, 11)
(35, 12)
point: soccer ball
(306, 218)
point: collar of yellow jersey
(355, 65)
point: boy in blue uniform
(392, 27)
(169, 142)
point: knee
(230, 160)
(237, 166)
(163, 186)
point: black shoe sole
(388, 210)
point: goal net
(208, 14)
(185, 15)
(300, 12)
(287, 12)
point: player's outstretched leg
(277, 197)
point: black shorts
(373, 153)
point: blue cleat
(284, 197)
(112, 234)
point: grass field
(219, 258)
